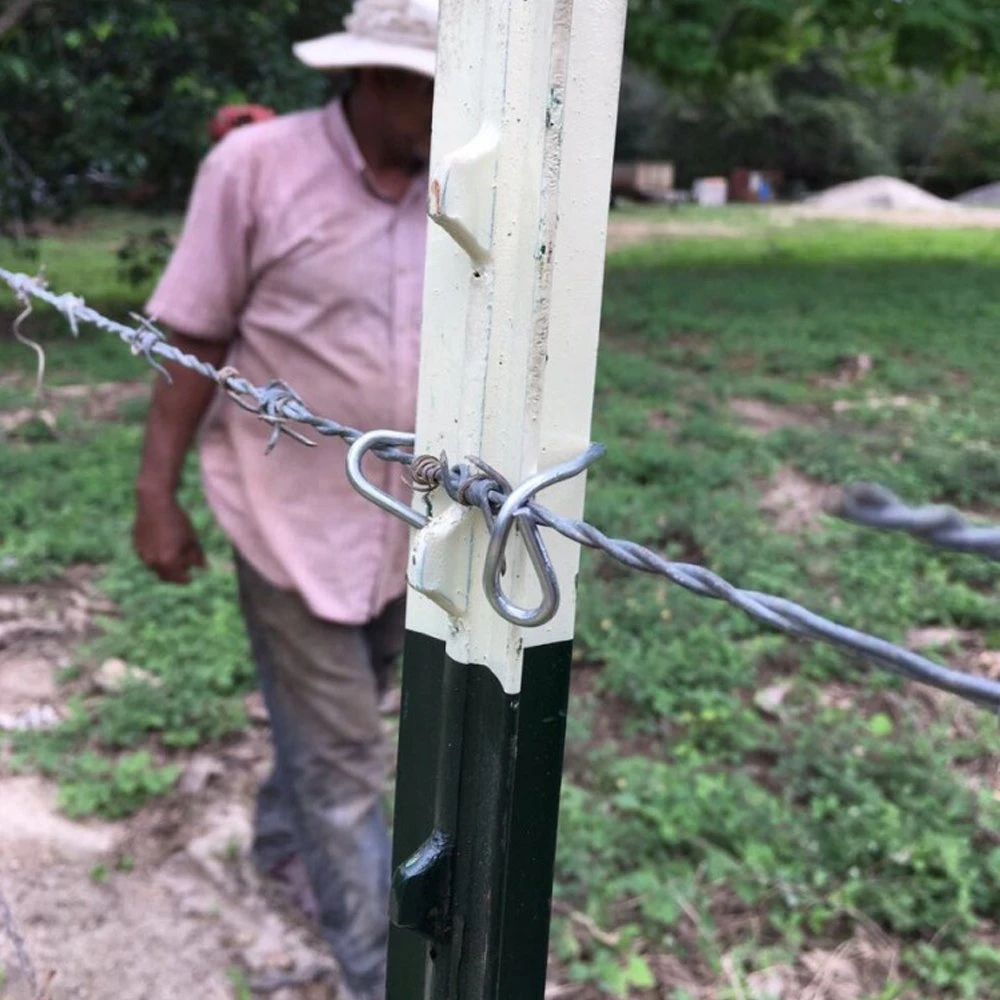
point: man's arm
(202, 292)
(163, 535)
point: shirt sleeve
(203, 290)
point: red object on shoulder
(234, 115)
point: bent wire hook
(515, 510)
(355, 456)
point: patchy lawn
(744, 816)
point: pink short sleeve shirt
(289, 255)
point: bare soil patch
(979, 218)
(762, 418)
(164, 906)
(795, 501)
(161, 906)
(660, 421)
(39, 626)
(631, 231)
(609, 717)
(91, 401)
(97, 400)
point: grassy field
(744, 816)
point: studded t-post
(524, 124)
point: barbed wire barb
(19, 336)
(275, 403)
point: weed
(240, 984)
(113, 788)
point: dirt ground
(166, 905)
(977, 218)
(628, 230)
(160, 907)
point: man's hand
(163, 535)
(165, 539)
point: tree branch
(13, 13)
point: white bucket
(712, 191)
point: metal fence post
(525, 112)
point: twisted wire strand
(874, 506)
(778, 613)
(276, 403)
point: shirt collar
(342, 139)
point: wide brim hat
(396, 34)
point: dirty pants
(323, 799)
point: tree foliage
(707, 42)
(110, 93)
(115, 95)
(817, 125)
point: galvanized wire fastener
(477, 490)
(515, 510)
(355, 456)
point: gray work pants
(323, 800)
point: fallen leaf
(769, 699)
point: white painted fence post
(525, 113)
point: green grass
(71, 503)
(802, 827)
(693, 825)
(83, 260)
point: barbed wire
(776, 612)
(477, 485)
(874, 506)
(275, 403)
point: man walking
(301, 257)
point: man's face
(406, 101)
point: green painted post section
(524, 122)
(431, 725)
(496, 764)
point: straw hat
(396, 33)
